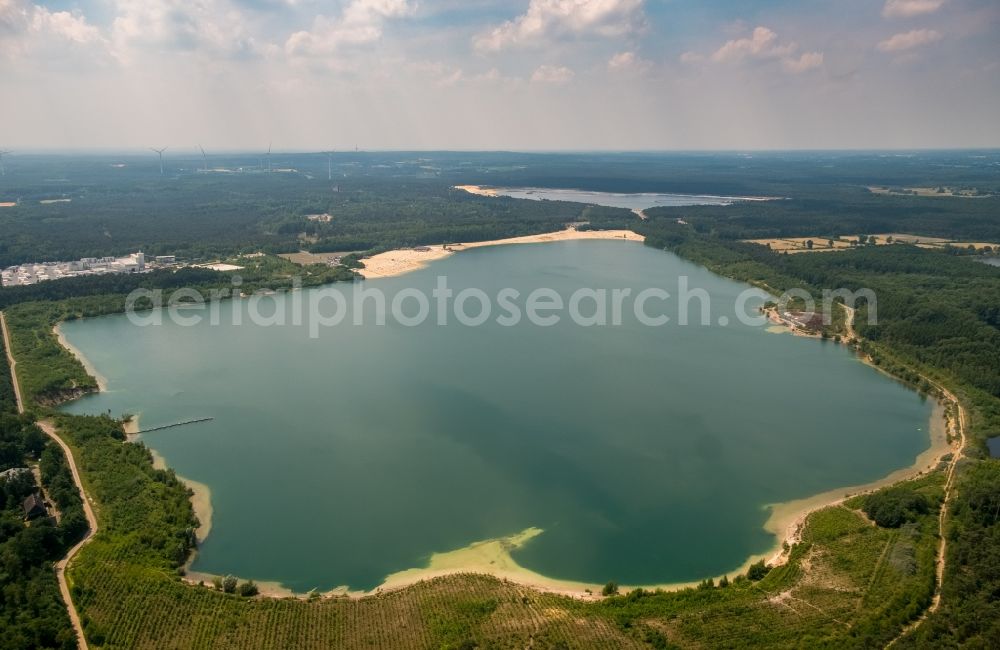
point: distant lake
(640, 201)
(646, 454)
(992, 261)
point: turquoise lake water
(646, 454)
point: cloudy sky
(490, 74)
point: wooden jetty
(176, 424)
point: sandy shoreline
(493, 556)
(102, 383)
(402, 261)
(201, 499)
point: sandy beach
(786, 519)
(477, 189)
(102, 383)
(400, 262)
(201, 500)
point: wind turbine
(204, 157)
(3, 170)
(159, 152)
(329, 164)
(268, 157)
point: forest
(32, 614)
(938, 321)
(117, 205)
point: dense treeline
(847, 212)
(32, 614)
(197, 216)
(138, 498)
(404, 199)
(969, 615)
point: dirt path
(640, 213)
(849, 332)
(50, 430)
(960, 424)
(949, 485)
(12, 363)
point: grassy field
(823, 244)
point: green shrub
(896, 506)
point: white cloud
(762, 44)
(552, 75)
(807, 61)
(360, 22)
(909, 40)
(550, 18)
(908, 8)
(214, 28)
(30, 29)
(628, 62)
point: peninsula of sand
(402, 261)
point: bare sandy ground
(794, 245)
(400, 262)
(477, 189)
(304, 258)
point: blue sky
(483, 74)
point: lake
(640, 201)
(647, 455)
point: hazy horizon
(184, 151)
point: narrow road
(12, 363)
(50, 430)
(949, 490)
